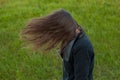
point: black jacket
(78, 59)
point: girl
(60, 29)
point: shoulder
(82, 43)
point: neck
(77, 31)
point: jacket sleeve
(81, 64)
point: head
(50, 31)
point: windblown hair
(56, 28)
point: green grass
(99, 18)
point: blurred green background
(99, 18)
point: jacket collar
(68, 48)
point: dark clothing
(78, 59)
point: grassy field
(99, 18)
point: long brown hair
(56, 28)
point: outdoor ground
(99, 18)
